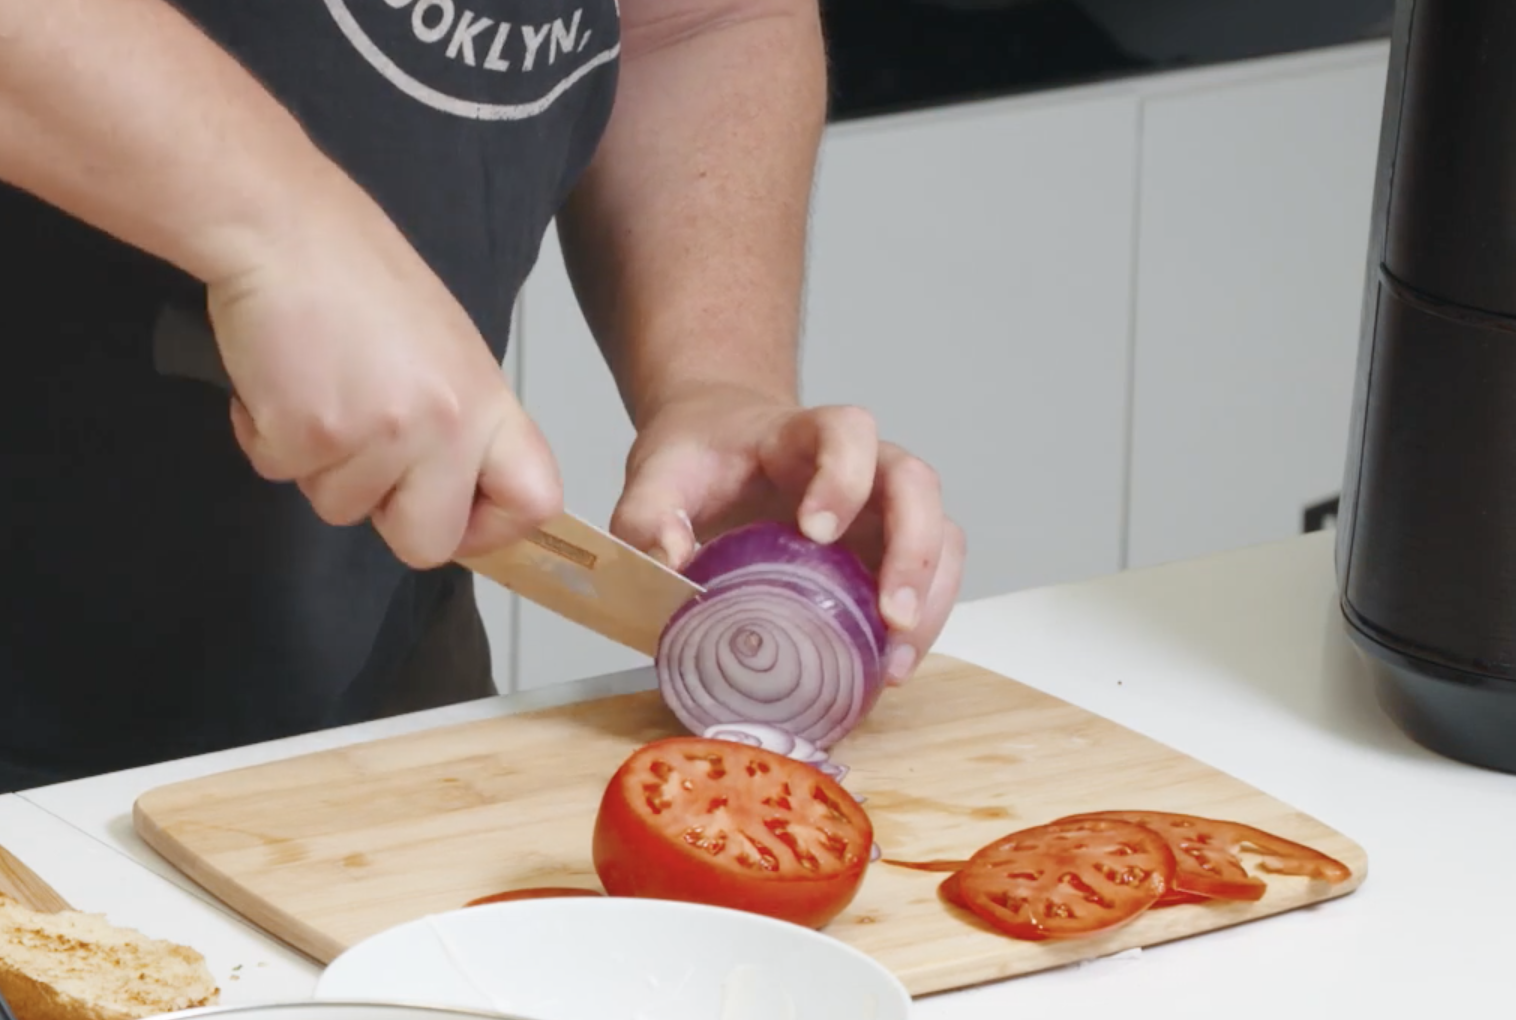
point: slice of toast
(78, 966)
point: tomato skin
(1205, 850)
(950, 890)
(541, 893)
(1066, 879)
(1175, 898)
(730, 825)
(926, 865)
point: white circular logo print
(464, 58)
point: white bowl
(613, 958)
(328, 1011)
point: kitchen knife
(567, 566)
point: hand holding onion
(844, 585)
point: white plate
(611, 958)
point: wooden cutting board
(326, 849)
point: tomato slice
(540, 893)
(1175, 898)
(926, 865)
(951, 890)
(727, 824)
(1206, 851)
(1067, 879)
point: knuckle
(429, 410)
(954, 541)
(333, 512)
(540, 499)
(412, 549)
(443, 411)
(338, 514)
(418, 558)
(327, 431)
(917, 475)
(533, 491)
(390, 423)
(852, 419)
(266, 466)
(333, 505)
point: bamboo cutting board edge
(968, 954)
(25, 886)
(278, 924)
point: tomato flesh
(1066, 879)
(730, 825)
(1206, 849)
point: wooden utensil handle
(23, 884)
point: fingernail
(820, 526)
(898, 666)
(900, 608)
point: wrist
(300, 203)
(678, 384)
(693, 350)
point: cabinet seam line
(1134, 277)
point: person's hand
(361, 379)
(719, 457)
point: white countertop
(1236, 659)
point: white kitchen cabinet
(1121, 321)
(1256, 185)
(969, 282)
(569, 392)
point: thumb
(663, 492)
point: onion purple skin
(787, 634)
(777, 543)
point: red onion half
(787, 634)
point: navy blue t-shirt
(161, 599)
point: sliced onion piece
(772, 738)
(786, 635)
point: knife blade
(568, 566)
(584, 574)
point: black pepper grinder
(1426, 542)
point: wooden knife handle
(23, 884)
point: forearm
(686, 238)
(123, 114)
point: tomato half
(722, 823)
(1206, 851)
(1066, 879)
(539, 893)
